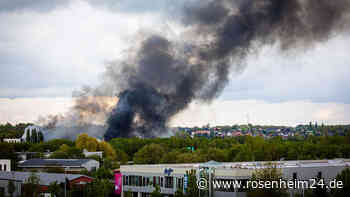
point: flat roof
(246, 165)
(53, 162)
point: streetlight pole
(65, 182)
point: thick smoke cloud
(164, 76)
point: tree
(192, 189)
(108, 150)
(268, 173)
(344, 177)
(99, 188)
(31, 188)
(179, 193)
(28, 139)
(84, 141)
(156, 192)
(55, 189)
(149, 154)
(40, 136)
(34, 137)
(66, 152)
(11, 188)
(103, 173)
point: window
(180, 182)
(295, 177)
(161, 182)
(5, 167)
(125, 180)
(169, 182)
(0, 167)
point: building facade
(5, 165)
(20, 178)
(139, 180)
(67, 165)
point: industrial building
(45, 179)
(139, 179)
(67, 165)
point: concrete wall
(92, 164)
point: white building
(97, 153)
(139, 179)
(30, 130)
(13, 140)
(5, 165)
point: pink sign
(118, 183)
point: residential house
(20, 178)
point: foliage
(51, 145)
(84, 141)
(99, 188)
(12, 131)
(192, 189)
(149, 154)
(268, 173)
(243, 148)
(55, 189)
(103, 173)
(108, 150)
(156, 192)
(31, 188)
(11, 188)
(344, 176)
(66, 152)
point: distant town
(300, 131)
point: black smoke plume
(164, 75)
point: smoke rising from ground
(166, 76)
(88, 115)
(161, 76)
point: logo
(168, 171)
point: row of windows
(3, 169)
(141, 181)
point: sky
(48, 49)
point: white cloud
(29, 109)
(319, 74)
(264, 113)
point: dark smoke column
(165, 76)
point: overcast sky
(48, 49)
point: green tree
(156, 192)
(179, 193)
(55, 189)
(149, 154)
(34, 137)
(11, 188)
(344, 177)
(192, 189)
(103, 173)
(40, 136)
(66, 152)
(28, 139)
(31, 187)
(99, 188)
(269, 173)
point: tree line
(245, 148)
